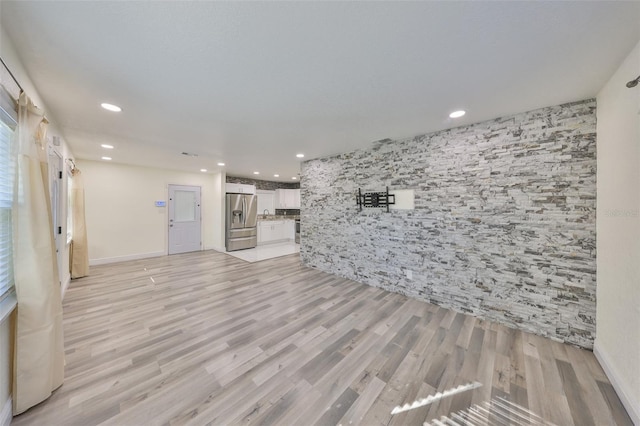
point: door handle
(244, 211)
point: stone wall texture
(503, 226)
(264, 185)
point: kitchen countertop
(269, 217)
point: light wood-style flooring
(205, 338)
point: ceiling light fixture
(110, 107)
(300, 155)
(294, 178)
(276, 175)
(106, 146)
(106, 158)
(256, 173)
(220, 164)
(457, 114)
(203, 170)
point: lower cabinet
(271, 231)
(290, 229)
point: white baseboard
(7, 413)
(216, 248)
(105, 260)
(633, 409)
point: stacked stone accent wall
(503, 226)
(264, 185)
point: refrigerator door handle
(244, 212)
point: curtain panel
(39, 348)
(79, 257)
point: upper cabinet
(239, 188)
(296, 198)
(287, 198)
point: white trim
(105, 260)
(7, 305)
(65, 285)
(7, 413)
(216, 248)
(619, 385)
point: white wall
(13, 62)
(266, 201)
(123, 222)
(617, 344)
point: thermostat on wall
(161, 203)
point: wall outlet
(409, 274)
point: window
(7, 172)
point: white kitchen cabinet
(278, 231)
(272, 231)
(296, 198)
(264, 232)
(290, 229)
(240, 188)
(287, 198)
(281, 198)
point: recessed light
(256, 173)
(220, 164)
(294, 178)
(300, 155)
(457, 114)
(276, 175)
(106, 158)
(203, 170)
(106, 146)
(111, 107)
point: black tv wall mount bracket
(375, 199)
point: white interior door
(184, 219)
(55, 192)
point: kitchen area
(262, 218)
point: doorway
(184, 219)
(55, 194)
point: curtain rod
(11, 74)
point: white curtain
(39, 348)
(79, 258)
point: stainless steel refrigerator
(242, 218)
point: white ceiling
(252, 84)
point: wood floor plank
(205, 338)
(362, 404)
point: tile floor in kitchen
(266, 251)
